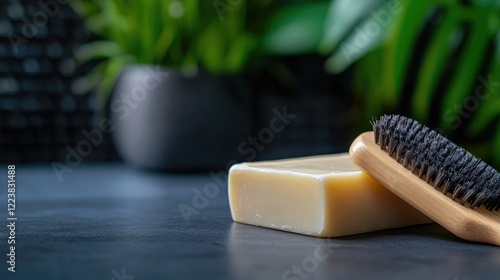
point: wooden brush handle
(477, 224)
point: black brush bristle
(438, 161)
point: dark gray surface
(108, 217)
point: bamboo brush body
(478, 224)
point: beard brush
(440, 179)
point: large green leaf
(496, 147)
(436, 55)
(296, 30)
(487, 91)
(97, 50)
(432, 65)
(239, 52)
(211, 48)
(401, 46)
(186, 34)
(354, 28)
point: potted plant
(172, 68)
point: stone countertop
(109, 221)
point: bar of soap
(323, 196)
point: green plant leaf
(296, 30)
(90, 81)
(350, 51)
(343, 16)
(210, 48)
(97, 50)
(111, 71)
(240, 52)
(433, 65)
(487, 93)
(400, 48)
(182, 34)
(496, 148)
(469, 65)
(116, 23)
(350, 38)
(96, 24)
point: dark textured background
(40, 114)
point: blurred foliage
(297, 29)
(439, 63)
(217, 36)
(345, 22)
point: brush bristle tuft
(438, 161)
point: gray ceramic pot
(165, 120)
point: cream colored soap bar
(325, 196)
